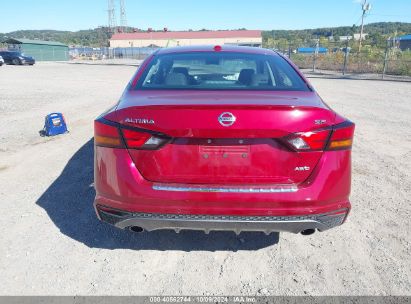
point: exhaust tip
(308, 232)
(136, 229)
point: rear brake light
(135, 139)
(106, 134)
(342, 136)
(308, 141)
(113, 135)
(142, 140)
(339, 137)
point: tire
(16, 61)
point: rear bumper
(130, 200)
(27, 61)
(207, 223)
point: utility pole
(346, 52)
(317, 45)
(384, 70)
(123, 16)
(365, 8)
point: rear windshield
(220, 71)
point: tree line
(378, 33)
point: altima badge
(144, 121)
(227, 119)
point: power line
(384, 15)
(358, 21)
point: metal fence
(342, 59)
(336, 58)
(88, 53)
(354, 63)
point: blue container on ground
(54, 124)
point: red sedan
(222, 138)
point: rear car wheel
(16, 61)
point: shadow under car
(68, 202)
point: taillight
(135, 139)
(309, 141)
(338, 137)
(106, 134)
(342, 136)
(113, 135)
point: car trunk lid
(243, 148)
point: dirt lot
(52, 244)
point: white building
(164, 39)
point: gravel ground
(52, 244)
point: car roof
(210, 48)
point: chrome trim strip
(277, 189)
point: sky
(75, 15)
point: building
(164, 39)
(40, 50)
(356, 37)
(404, 42)
(345, 38)
(312, 50)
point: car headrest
(180, 70)
(246, 76)
(176, 79)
